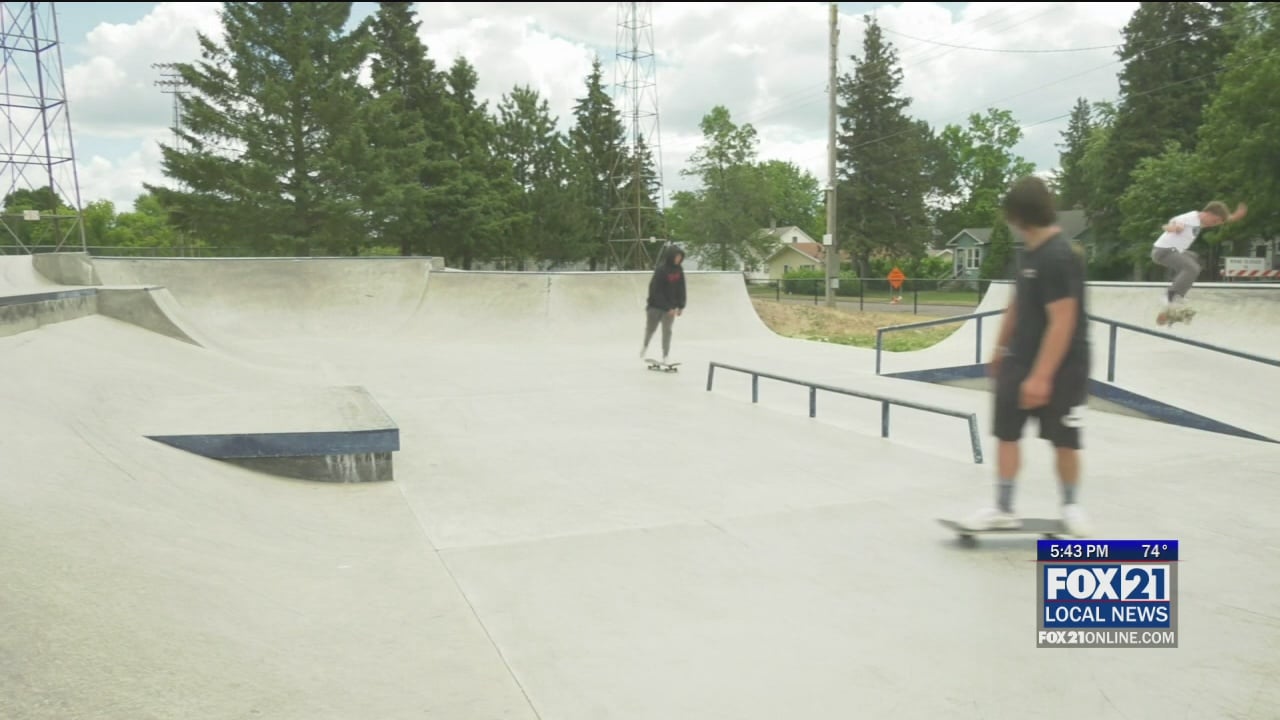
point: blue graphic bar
(1107, 551)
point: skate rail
(977, 344)
(884, 400)
(1113, 327)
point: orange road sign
(895, 278)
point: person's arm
(1239, 213)
(1060, 279)
(680, 293)
(1173, 227)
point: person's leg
(1188, 273)
(1062, 424)
(1009, 420)
(652, 317)
(668, 318)
(1184, 266)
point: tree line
(301, 137)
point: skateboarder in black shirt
(666, 299)
(1041, 362)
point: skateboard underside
(1047, 527)
(664, 367)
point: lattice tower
(36, 146)
(638, 230)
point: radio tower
(638, 220)
(36, 149)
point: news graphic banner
(1107, 593)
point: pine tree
(528, 142)
(646, 196)
(1071, 186)
(404, 122)
(275, 162)
(471, 206)
(883, 180)
(596, 141)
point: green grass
(901, 341)
(849, 326)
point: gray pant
(1185, 265)
(653, 316)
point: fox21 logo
(1124, 583)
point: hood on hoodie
(669, 254)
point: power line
(792, 101)
(1010, 51)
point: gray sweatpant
(653, 316)
(1185, 265)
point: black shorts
(1060, 420)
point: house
(796, 250)
(970, 244)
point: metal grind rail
(884, 400)
(1112, 343)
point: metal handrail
(1113, 325)
(1111, 344)
(977, 349)
(884, 400)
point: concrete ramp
(268, 298)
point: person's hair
(1218, 208)
(1029, 203)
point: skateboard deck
(1048, 527)
(664, 367)
(1167, 318)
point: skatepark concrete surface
(569, 536)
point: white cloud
(767, 62)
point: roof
(779, 232)
(1072, 222)
(813, 251)
(982, 235)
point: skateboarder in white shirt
(1171, 248)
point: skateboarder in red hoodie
(666, 299)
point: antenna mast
(38, 156)
(639, 221)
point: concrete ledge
(1103, 397)
(23, 313)
(148, 307)
(323, 434)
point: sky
(766, 62)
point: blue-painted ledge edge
(1152, 408)
(281, 445)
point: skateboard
(1169, 318)
(664, 367)
(1047, 527)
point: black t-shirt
(1050, 272)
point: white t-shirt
(1190, 223)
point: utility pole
(829, 239)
